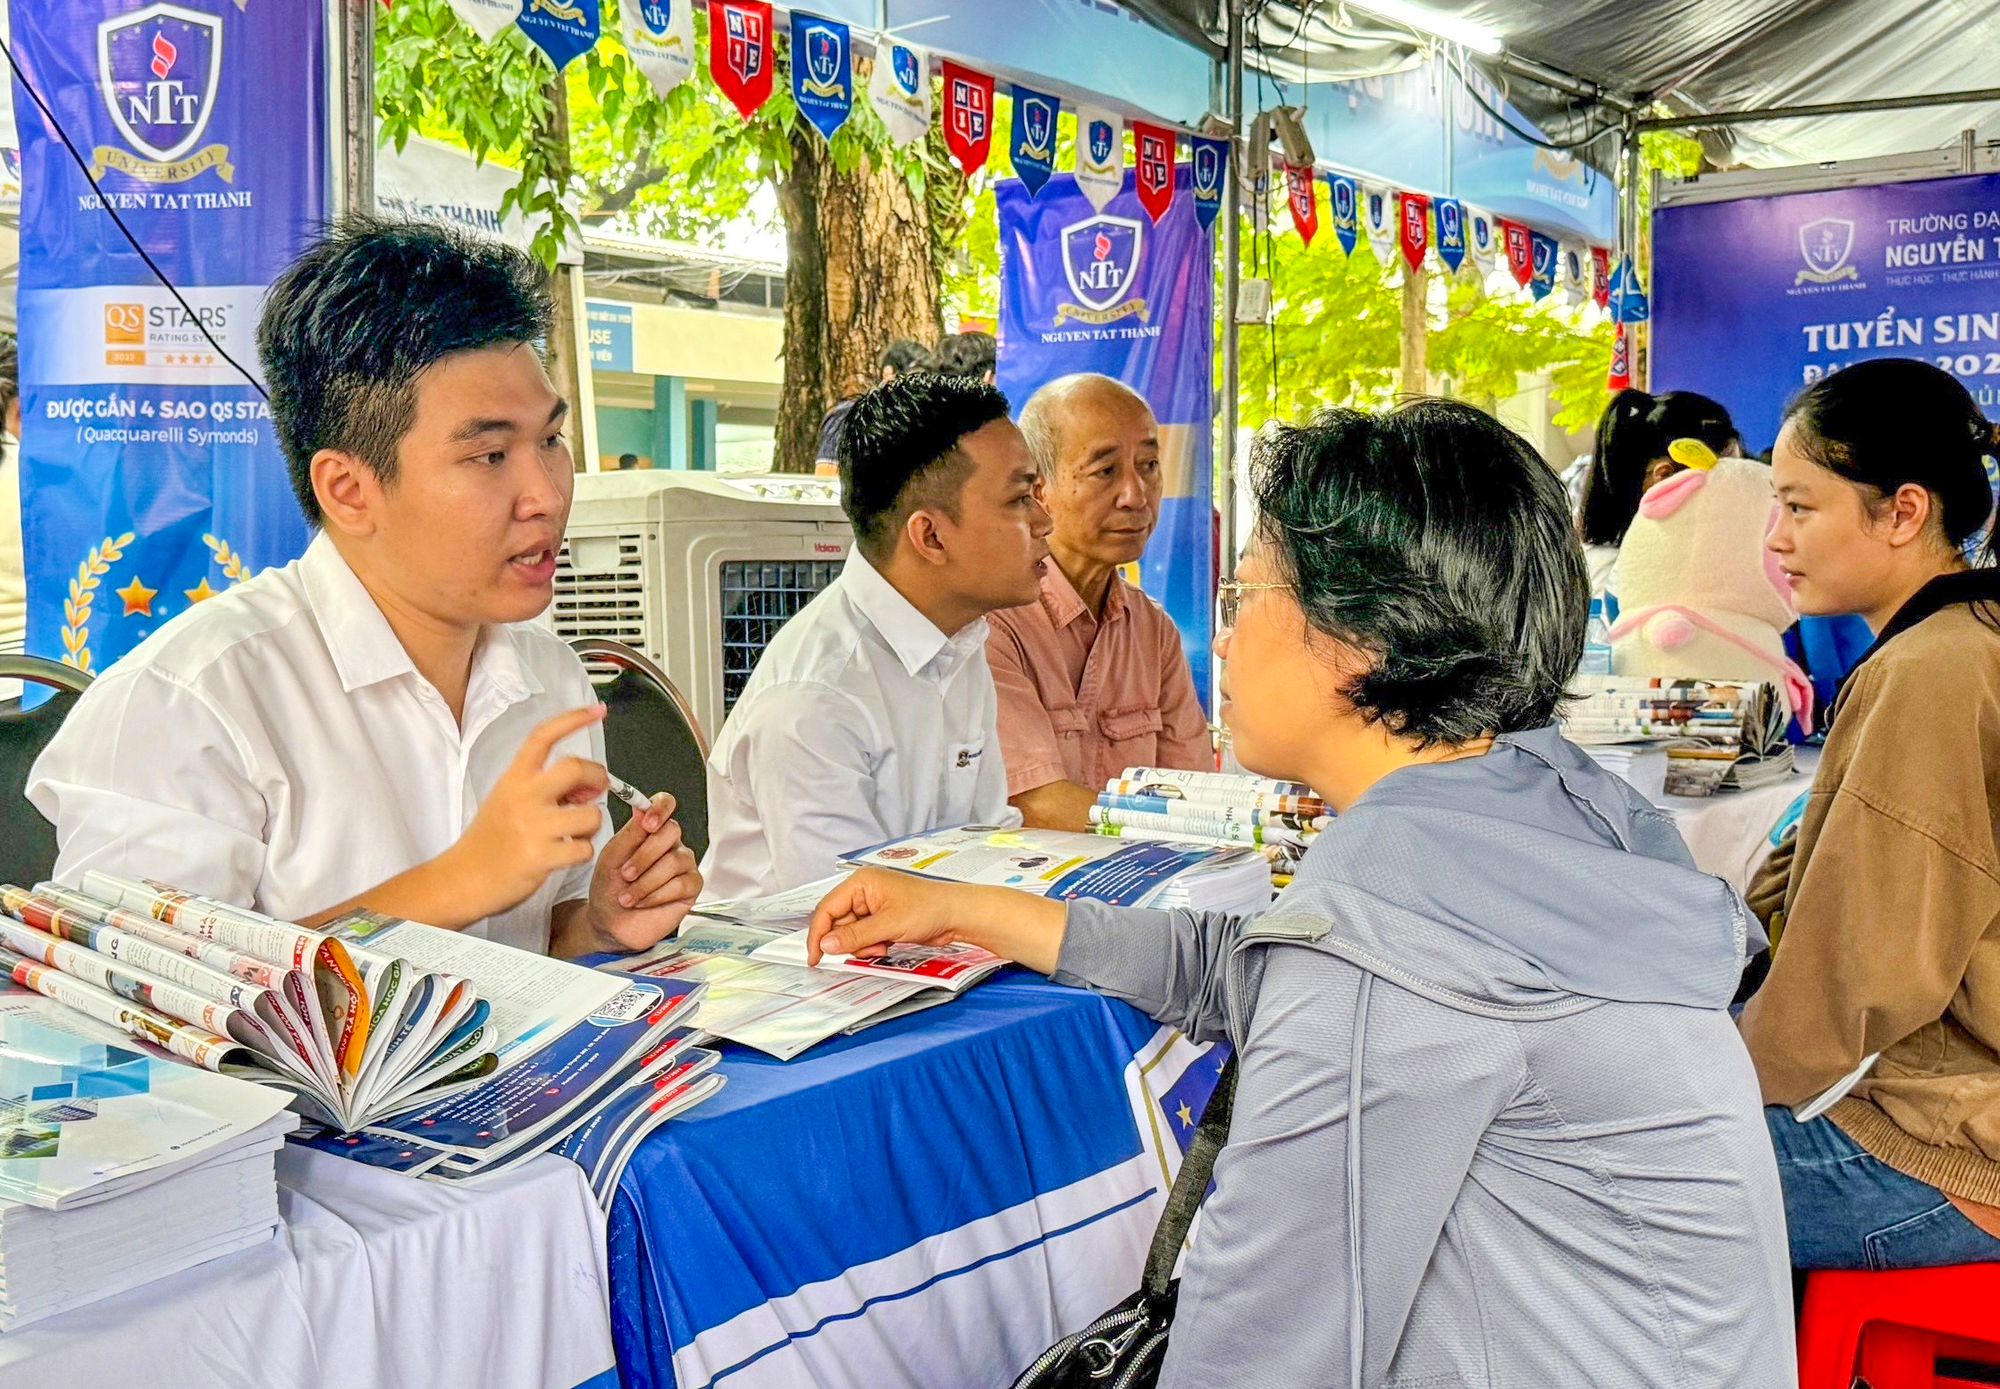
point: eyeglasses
(1229, 598)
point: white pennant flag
(487, 18)
(1100, 155)
(900, 89)
(1573, 271)
(1482, 242)
(659, 34)
(1378, 219)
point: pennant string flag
(739, 52)
(1482, 241)
(822, 71)
(1153, 167)
(900, 90)
(1628, 300)
(487, 18)
(563, 29)
(1100, 155)
(968, 116)
(1378, 219)
(1345, 195)
(1300, 183)
(1209, 160)
(1600, 276)
(1575, 273)
(1620, 375)
(1542, 256)
(1449, 215)
(659, 34)
(1033, 152)
(1520, 251)
(1415, 227)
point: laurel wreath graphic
(233, 568)
(82, 593)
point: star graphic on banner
(138, 598)
(1185, 1115)
(201, 592)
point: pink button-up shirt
(1083, 698)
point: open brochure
(84, 1116)
(774, 929)
(779, 1009)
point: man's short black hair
(968, 354)
(899, 451)
(1436, 541)
(904, 355)
(350, 324)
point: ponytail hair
(1635, 430)
(1893, 421)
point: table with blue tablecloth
(928, 1203)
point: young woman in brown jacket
(1884, 987)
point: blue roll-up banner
(150, 476)
(1113, 292)
(1754, 299)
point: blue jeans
(1846, 1209)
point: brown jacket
(1891, 938)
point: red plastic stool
(1891, 1328)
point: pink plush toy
(1698, 594)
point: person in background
(1492, 1124)
(1885, 972)
(381, 724)
(969, 354)
(898, 357)
(627, 462)
(1091, 676)
(1630, 455)
(13, 569)
(871, 714)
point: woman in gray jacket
(1493, 1125)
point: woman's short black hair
(1634, 430)
(1435, 540)
(899, 451)
(348, 326)
(1895, 420)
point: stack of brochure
(1278, 818)
(122, 1166)
(1718, 735)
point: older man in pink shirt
(1091, 676)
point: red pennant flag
(1305, 204)
(1600, 276)
(968, 116)
(1153, 158)
(1415, 234)
(1520, 251)
(1621, 361)
(740, 52)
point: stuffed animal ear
(1663, 499)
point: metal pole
(1232, 248)
(351, 99)
(1834, 108)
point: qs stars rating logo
(138, 598)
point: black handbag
(1124, 1348)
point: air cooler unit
(696, 571)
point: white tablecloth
(1728, 834)
(376, 1280)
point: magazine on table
(1718, 735)
(779, 1009)
(605, 1143)
(774, 929)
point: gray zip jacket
(1493, 1126)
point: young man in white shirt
(376, 724)
(871, 715)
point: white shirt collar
(916, 640)
(366, 650)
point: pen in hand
(626, 792)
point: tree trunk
(564, 373)
(859, 273)
(1414, 376)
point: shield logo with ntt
(1100, 144)
(824, 50)
(903, 64)
(158, 69)
(1207, 170)
(658, 17)
(1824, 243)
(1450, 232)
(1101, 258)
(1039, 121)
(1343, 201)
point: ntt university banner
(1116, 293)
(1755, 298)
(150, 477)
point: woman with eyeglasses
(1493, 1125)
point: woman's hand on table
(877, 908)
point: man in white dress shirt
(871, 715)
(376, 724)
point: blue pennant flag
(564, 31)
(1450, 214)
(822, 71)
(1210, 167)
(1628, 300)
(1543, 277)
(1034, 152)
(1345, 195)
